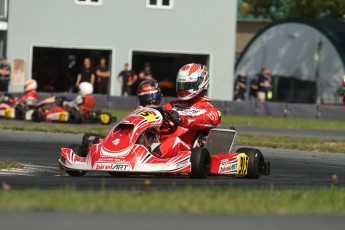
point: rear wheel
(105, 118)
(256, 163)
(201, 163)
(79, 151)
(19, 112)
(74, 117)
(37, 116)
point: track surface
(289, 168)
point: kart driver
(149, 93)
(191, 114)
(30, 96)
(83, 102)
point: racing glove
(175, 117)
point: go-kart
(58, 113)
(12, 108)
(126, 150)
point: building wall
(245, 32)
(192, 26)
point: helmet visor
(150, 98)
(180, 86)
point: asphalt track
(40, 151)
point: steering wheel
(166, 117)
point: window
(160, 4)
(88, 2)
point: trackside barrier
(253, 108)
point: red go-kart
(126, 151)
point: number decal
(147, 114)
(63, 116)
(243, 160)
(8, 112)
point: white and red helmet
(30, 84)
(85, 88)
(192, 81)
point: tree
(280, 9)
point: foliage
(280, 9)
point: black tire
(201, 163)
(79, 151)
(256, 162)
(37, 116)
(105, 118)
(74, 117)
(19, 112)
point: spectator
(264, 84)
(5, 71)
(126, 78)
(146, 74)
(240, 86)
(86, 74)
(253, 88)
(103, 74)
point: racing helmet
(85, 88)
(149, 93)
(30, 84)
(192, 81)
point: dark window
(153, 2)
(166, 2)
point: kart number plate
(147, 114)
(8, 113)
(243, 160)
(63, 116)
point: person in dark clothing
(127, 78)
(253, 88)
(5, 71)
(86, 74)
(264, 84)
(146, 74)
(240, 86)
(103, 74)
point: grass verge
(309, 201)
(8, 164)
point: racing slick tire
(19, 112)
(74, 117)
(105, 118)
(37, 116)
(79, 151)
(200, 163)
(256, 163)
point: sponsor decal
(227, 166)
(188, 111)
(113, 166)
(182, 164)
(219, 113)
(116, 141)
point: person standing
(126, 78)
(86, 73)
(264, 84)
(5, 71)
(103, 74)
(240, 87)
(146, 74)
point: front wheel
(37, 116)
(74, 117)
(200, 162)
(79, 151)
(256, 163)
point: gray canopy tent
(307, 59)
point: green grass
(226, 200)
(8, 164)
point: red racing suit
(197, 115)
(29, 98)
(82, 103)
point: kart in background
(11, 108)
(58, 113)
(126, 150)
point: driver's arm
(208, 120)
